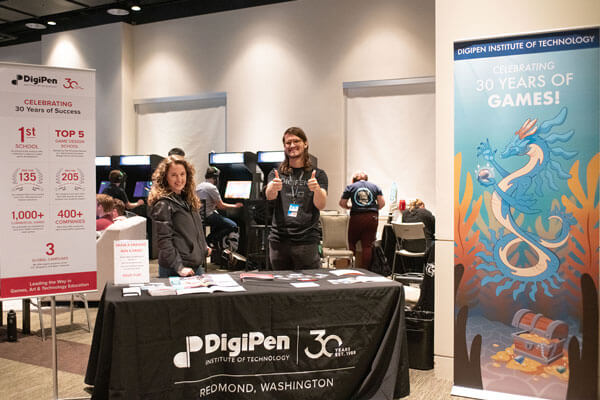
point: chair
(335, 237)
(419, 291)
(38, 304)
(410, 242)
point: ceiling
(76, 14)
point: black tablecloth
(328, 342)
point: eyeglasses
(292, 142)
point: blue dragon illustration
(513, 192)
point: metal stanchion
(55, 356)
(54, 349)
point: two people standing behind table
(299, 192)
(182, 249)
(366, 199)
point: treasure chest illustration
(541, 339)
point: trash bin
(419, 333)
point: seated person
(104, 211)
(220, 226)
(119, 211)
(416, 212)
(115, 190)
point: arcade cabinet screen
(238, 189)
(103, 185)
(142, 188)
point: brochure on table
(47, 220)
(211, 283)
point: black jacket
(180, 235)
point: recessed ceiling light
(35, 25)
(51, 23)
(117, 11)
(136, 8)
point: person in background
(366, 199)
(115, 190)
(416, 212)
(182, 249)
(219, 224)
(299, 192)
(118, 211)
(176, 151)
(104, 210)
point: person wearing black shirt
(182, 248)
(115, 190)
(299, 192)
(416, 212)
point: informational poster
(526, 216)
(47, 217)
(131, 261)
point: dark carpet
(72, 356)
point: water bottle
(393, 194)
(11, 326)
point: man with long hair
(299, 192)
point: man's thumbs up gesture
(274, 187)
(312, 182)
(277, 182)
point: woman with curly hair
(182, 249)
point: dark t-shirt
(116, 192)
(421, 215)
(304, 227)
(363, 196)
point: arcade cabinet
(139, 169)
(103, 168)
(240, 181)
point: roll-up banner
(526, 216)
(47, 205)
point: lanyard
(294, 185)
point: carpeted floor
(26, 371)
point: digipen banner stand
(47, 222)
(526, 168)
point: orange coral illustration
(583, 241)
(466, 241)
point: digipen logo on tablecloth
(71, 84)
(234, 346)
(30, 80)
(322, 340)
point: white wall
(284, 65)
(469, 19)
(105, 49)
(27, 53)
